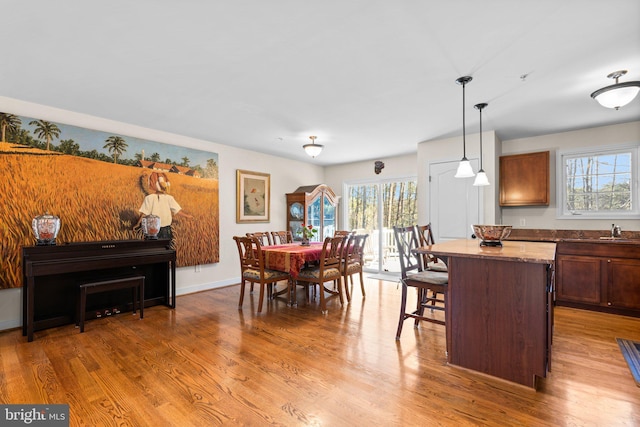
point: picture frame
(253, 196)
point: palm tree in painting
(185, 161)
(116, 146)
(45, 130)
(8, 122)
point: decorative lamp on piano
(150, 226)
(45, 228)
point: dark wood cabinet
(603, 276)
(312, 205)
(524, 179)
(582, 278)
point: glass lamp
(617, 95)
(481, 178)
(464, 168)
(313, 149)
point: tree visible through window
(600, 183)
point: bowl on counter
(491, 235)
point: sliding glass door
(373, 208)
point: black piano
(52, 276)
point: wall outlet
(523, 222)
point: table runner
(291, 257)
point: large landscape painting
(96, 182)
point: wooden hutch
(312, 205)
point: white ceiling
(370, 78)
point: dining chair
(328, 270)
(413, 275)
(281, 237)
(354, 261)
(339, 233)
(425, 238)
(252, 268)
(263, 236)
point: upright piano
(52, 276)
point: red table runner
(291, 257)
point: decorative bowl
(492, 235)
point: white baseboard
(207, 286)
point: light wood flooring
(207, 363)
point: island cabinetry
(499, 315)
(602, 276)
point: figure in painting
(160, 203)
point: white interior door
(454, 203)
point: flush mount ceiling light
(481, 178)
(464, 168)
(313, 149)
(617, 95)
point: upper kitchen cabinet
(312, 205)
(524, 179)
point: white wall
(545, 216)
(285, 178)
(450, 150)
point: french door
(373, 208)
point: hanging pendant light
(313, 149)
(464, 168)
(481, 177)
(617, 95)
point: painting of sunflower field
(95, 183)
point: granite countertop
(547, 235)
(522, 251)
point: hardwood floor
(207, 363)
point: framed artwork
(253, 199)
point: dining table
(291, 258)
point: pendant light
(464, 168)
(617, 95)
(313, 149)
(481, 178)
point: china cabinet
(312, 205)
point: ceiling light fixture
(617, 95)
(313, 149)
(464, 168)
(481, 178)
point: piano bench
(136, 283)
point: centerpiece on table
(307, 232)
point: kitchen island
(499, 307)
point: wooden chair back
(354, 261)
(332, 251)
(281, 237)
(406, 241)
(250, 251)
(425, 238)
(264, 237)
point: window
(599, 183)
